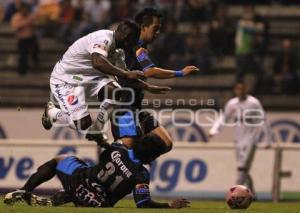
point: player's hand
(158, 89)
(134, 74)
(179, 203)
(188, 69)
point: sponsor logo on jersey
(142, 189)
(72, 99)
(116, 158)
(101, 46)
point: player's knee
(83, 123)
(169, 147)
(167, 144)
(110, 91)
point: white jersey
(76, 64)
(248, 118)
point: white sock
(61, 118)
(105, 111)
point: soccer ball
(239, 197)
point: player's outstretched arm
(156, 72)
(152, 88)
(100, 63)
(151, 71)
(143, 199)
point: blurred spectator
(195, 10)
(48, 13)
(197, 52)
(220, 33)
(285, 69)
(23, 23)
(122, 9)
(84, 27)
(100, 12)
(262, 35)
(245, 39)
(169, 43)
(1, 12)
(11, 9)
(66, 20)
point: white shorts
(74, 99)
(245, 154)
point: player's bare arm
(100, 63)
(156, 72)
(151, 87)
(143, 199)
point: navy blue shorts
(70, 164)
(131, 125)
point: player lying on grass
(119, 172)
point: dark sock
(44, 173)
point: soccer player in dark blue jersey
(119, 172)
(142, 122)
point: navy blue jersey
(104, 184)
(136, 59)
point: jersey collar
(132, 156)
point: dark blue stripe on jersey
(69, 165)
(142, 57)
(132, 157)
(142, 201)
(142, 191)
(127, 125)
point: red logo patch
(72, 100)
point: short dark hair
(126, 25)
(146, 15)
(129, 27)
(148, 148)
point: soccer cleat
(46, 120)
(13, 197)
(34, 200)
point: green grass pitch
(127, 206)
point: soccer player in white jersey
(86, 69)
(249, 119)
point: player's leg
(165, 137)
(250, 157)
(125, 126)
(105, 90)
(245, 155)
(64, 95)
(53, 114)
(43, 174)
(151, 125)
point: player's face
(240, 91)
(127, 41)
(150, 33)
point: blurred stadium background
(198, 32)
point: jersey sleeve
(101, 46)
(144, 59)
(141, 192)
